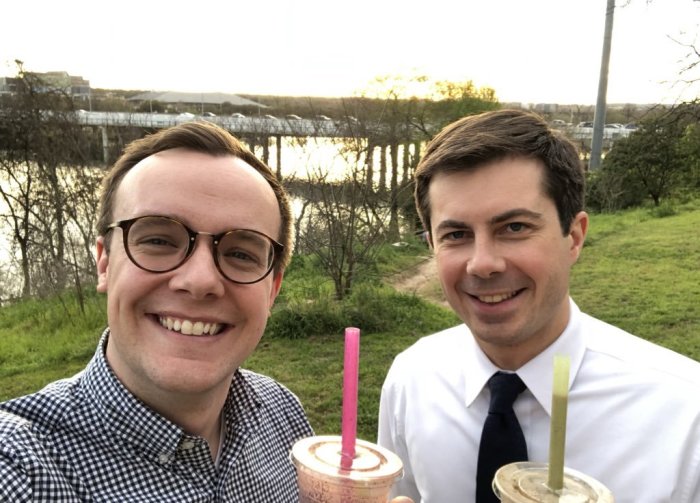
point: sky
(535, 51)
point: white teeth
(187, 327)
(494, 299)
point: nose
(486, 259)
(199, 275)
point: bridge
(256, 130)
(254, 125)
(272, 126)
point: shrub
(300, 319)
(372, 308)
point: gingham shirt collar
(122, 414)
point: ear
(102, 265)
(577, 233)
(276, 285)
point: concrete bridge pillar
(105, 145)
(369, 164)
(382, 168)
(278, 141)
(266, 150)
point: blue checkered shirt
(88, 439)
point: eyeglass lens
(159, 244)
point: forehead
(488, 188)
(217, 192)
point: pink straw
(350, 376)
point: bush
(372, 308)
(665, 209)
(300, 319)
(610, 190)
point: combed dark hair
(202, 137)
(475, 140)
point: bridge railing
(287, 127)
(244, 125)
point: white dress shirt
(633, 416)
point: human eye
(515, 227)
(156, 236)
(241, 255)
(454, 236)
(518, 229)
(244, 251)
(156, 243)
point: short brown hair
(475, 140)
(202, 137)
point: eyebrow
(500, 218)
(514, 213)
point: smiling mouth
(187, 327)
(496, 298)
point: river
(305, 158)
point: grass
(44, 340)
(642, 273)
(638, 270)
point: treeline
(657, 164)
(51, 167)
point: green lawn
(637, 271)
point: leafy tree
(650, 162)
(689, 149)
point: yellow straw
(557, 439)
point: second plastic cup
(526, 482)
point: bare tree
(17, 193)
(344, 218)
(44, 155)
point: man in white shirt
(501, 195)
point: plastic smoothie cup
(321, 478)
(526, 482)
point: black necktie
(502, 439)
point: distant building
(174, 98)
(8, 85)
(74, 86)
(78, 87)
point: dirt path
(421, 280)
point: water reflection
(309, 159)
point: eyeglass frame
(125, 226)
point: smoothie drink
(322, 479)
(526, 482)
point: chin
(193, 379)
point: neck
(205, 424)
(199, 417)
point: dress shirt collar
(537, 373)
(479, 368)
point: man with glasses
(194, 238)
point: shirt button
(187, 445)
(164, 458)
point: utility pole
(599, 117)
